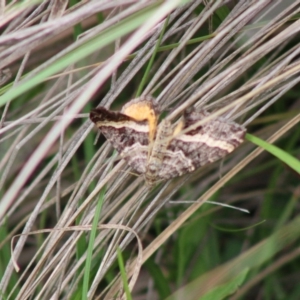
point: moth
(158, 150)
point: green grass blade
(285, 157)
(87, 269)
(123, 274)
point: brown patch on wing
(120, 130)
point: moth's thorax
(158, 149)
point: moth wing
(128, 136)
(174, 164)
(205, 144)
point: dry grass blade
(238, 60)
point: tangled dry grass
(73, 206)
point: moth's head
(150, 177)
(150, 182)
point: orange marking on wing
(143, 111)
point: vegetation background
(76, 223)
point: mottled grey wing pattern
(121, 131)
(202, 145)
(137, 157)
(174, 164)
(170, 155)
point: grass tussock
(77, 222)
